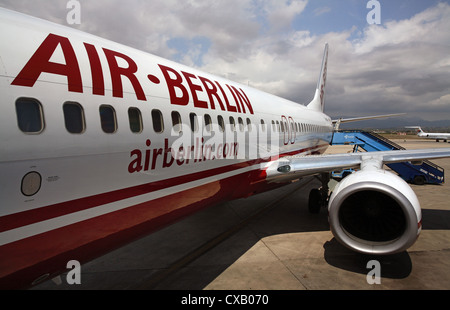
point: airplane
(435, 135)
(102, 144)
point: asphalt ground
(271, 242)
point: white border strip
(72, 218)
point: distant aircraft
(102, 144)
(435, 135)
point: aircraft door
(288, 128)
(292, 131)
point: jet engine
(375, 212)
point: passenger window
(249, 124)
(194, 122)
(135, 118)
(241, 124)
(158, 122)
(108, 119)
(221, 123)
(232, 123)
(208, 122)
(29, 115)
(176, 121)
(263, 125)
(74, 117)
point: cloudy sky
(400, 65)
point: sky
(400, 65)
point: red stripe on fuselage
(28, 217)
(37, 215)
(25, 260)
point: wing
(291, 168)
(337, 122)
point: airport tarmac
(271, 242)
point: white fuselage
(434, 135)
(124, 165)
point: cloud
(280, 14)
(426, 28)
(400, 65)
(322, 10)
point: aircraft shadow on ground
(396, 266)
(292, 218)
(146, 262)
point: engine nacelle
(375, 212)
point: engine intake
(375, 212)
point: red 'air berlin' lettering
(173, 84)
(117, 72)
(194, 89)
(40, 62)
(180, 94)
(182, 86)
(229, 107)
(98, 83)
(211, 90)
(242, 99)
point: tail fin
(417, 128)
(317, 103)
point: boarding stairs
(414, 172)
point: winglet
(317, 103)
